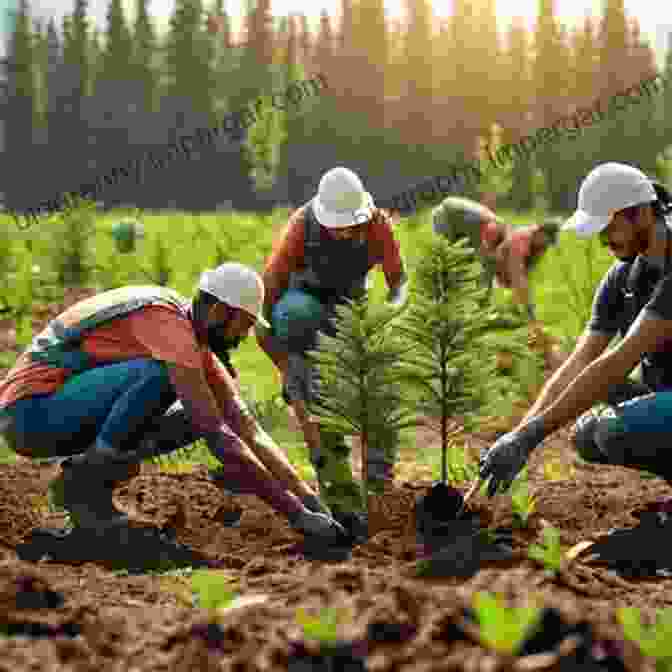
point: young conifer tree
(360, 373)
(448, 365)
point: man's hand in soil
(504, 460)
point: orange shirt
(287, 254)
(156, 332)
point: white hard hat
(236, 285)
(604, 191)
(341, 200)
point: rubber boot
(88, 484)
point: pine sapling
(359, 372)
(444, 328)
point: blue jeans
(633, 433)
(114, 403)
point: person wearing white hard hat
(321, 260)
(131, 373)
(631, 214)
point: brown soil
(140, 623)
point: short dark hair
(661, 207)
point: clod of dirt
(135, 549)
(385, 633)
(211, 633)
(442, 502)
(39, 630)
(338, 655)
(465, 553)
(439, 517)
(29, 595)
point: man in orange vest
(321, 260)
(130, 373)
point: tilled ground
(142, 623)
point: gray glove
(313, 503)
(502, 463)
(318, 525)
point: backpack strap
(60, 346)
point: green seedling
(654, 641)
(323, 627)
(211, 589)
(550, 554)
(503, 628)
(522, 503)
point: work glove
(317, 525)
(314, 504)
(504, 460)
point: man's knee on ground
(583, 437)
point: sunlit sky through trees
(655, 17)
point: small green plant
(73, 233)
(550, 553)
(654, 641)
(460, 469)
(522, 502)
(323, 627)
(503, 628)
(211, 589)
(161, 270)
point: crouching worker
(323, 259)
(631, 214)
(506, 254)
(130, 373)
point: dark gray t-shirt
(611, 316)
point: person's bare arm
(647, 334)
(276, 275)
(589, 347)
(201, 404)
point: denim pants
(635, 430)
(115, 403)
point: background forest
(406, 100)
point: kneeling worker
(131, 373)
(631, 215)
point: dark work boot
(87, 492)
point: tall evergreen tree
(370, 54)
(552, 86)
(516, 115)
(21, 114)
(189, 59)
(305, 45)
(118, 52)
(419, 91)
(666, 99)
(144, 50)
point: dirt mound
(394, 619)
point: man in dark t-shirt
(631, 215)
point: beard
(219, 342)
